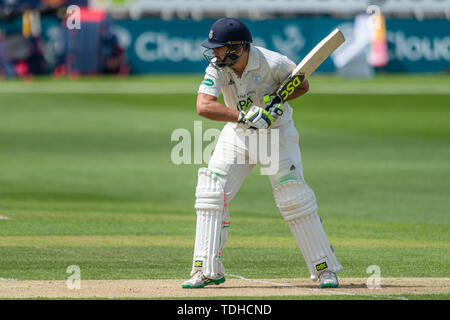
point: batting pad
(212, 224)
(297, 204)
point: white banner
(281, 6)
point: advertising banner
(418, 46)
(280, 6)
(155, 45)
(174, 46)
(160, 46)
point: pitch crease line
(290, 286)
(334, 292)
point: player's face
(220, 52)
(223, 56)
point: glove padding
(256, 117)
(276, 110)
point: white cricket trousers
(234, 157)
(233, 146)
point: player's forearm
(304, 87)
(216, 111)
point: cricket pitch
(390, 288)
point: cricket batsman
(248, 76)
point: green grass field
(86, 179)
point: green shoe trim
(211, 281)
(285, 181)
(218, 281)
(329, 285)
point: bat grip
(275, 100)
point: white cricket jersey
(265, 72)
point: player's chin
(222, 64)
(216, 63)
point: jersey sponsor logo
(208, 82)
(231, 82)
(247, 94)
(245, 104)
(321, 266)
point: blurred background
(76, 37)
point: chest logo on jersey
(231, 82)
(257, 78)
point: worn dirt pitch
(142, 289)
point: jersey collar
(253, 59)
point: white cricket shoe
(328, 279)
(198, 280)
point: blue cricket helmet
(227, 31)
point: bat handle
(275, 100)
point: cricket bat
(308, 65)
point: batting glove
(256, 117)
(276, 110)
